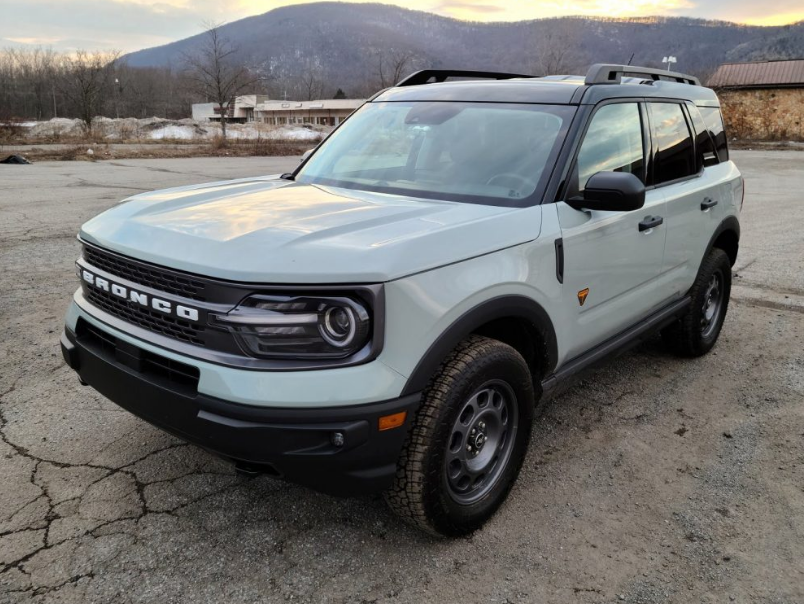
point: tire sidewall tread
(684, 336)
(420, 492)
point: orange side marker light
(388, 422)
(582, 295)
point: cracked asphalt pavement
(653, 479)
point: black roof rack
(441, 75)
(602, 73)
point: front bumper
(296, 444)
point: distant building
(329, 112)
(763, 100)
(259, 108)
(203, 111)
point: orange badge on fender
(582, 296)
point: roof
(764, 74)
(277, 105)
(518, 90)
(553, 90)
(250, 100)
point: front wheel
(468, 440)
(696, 332)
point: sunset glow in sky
(134, 24)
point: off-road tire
(686, 336)
(421, 493)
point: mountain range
(344, 44)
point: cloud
(774, 12)
(123, 24)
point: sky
(128, 25)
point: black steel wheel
(483, 436)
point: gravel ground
(652, 480)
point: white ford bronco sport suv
(386, 317)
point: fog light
(337, 439)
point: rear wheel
(696, 332)
(468, 440)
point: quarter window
(613, 143)
(714, 121)
(704, 146)
(675, 157)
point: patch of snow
(156, 128)
(173, 132)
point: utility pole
(116, 99)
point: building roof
(763, 74)
(250, 100)
(275, 105)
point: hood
(268, 230)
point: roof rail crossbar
(602, 73)
(441, 75)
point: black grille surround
(204, 339)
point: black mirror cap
(611, 192)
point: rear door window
(672, 140)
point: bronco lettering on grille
(136, 297)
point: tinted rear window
(675, 157)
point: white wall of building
(325, 112)
(203, 111)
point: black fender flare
(730, 223)
(502, 307)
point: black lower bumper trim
(297, 444)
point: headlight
(299, 327)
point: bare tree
(311, 82)
(36, 70)
(216, 73)
(85, 82)
(392, 65)
(554, 48)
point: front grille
(152, 320)
(175, 375)
(150, 276)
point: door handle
(650, 222)
(708, 203)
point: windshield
(493, 153)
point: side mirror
(611, 192)
(305, 155)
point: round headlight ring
(338, 326)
